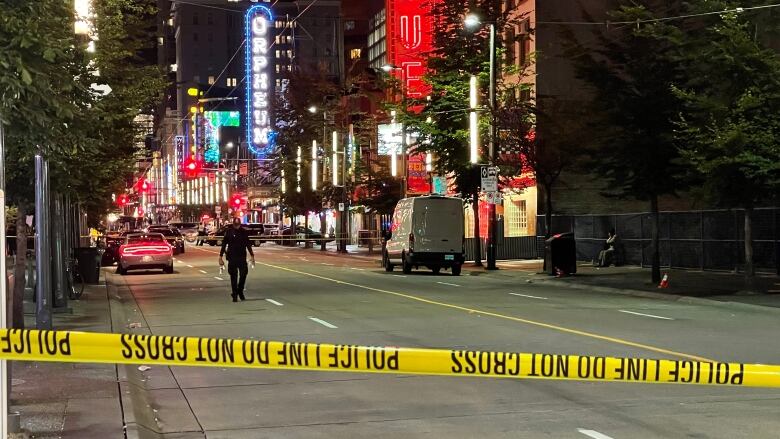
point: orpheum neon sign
(259, 89)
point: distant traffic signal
(192, 167)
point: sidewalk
(69, 400)
(707, 285)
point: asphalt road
(302, 295)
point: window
(195, 19)
(160, 41)
(174, 67)
(210, 37)
(209, 18)
(195, 37)
(511, 38)
(354, 54)
(349, 25)
(516, 217)
(232, 82)
(211, 80)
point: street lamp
(472, 21)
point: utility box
(560, 254)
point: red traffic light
(236, 201)
(122, 200)
(192, 167)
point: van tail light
(411, 242)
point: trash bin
(89, 264)
(560, 253)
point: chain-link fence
(704, 240)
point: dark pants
(238, 271)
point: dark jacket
(237, 243)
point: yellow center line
(496, 315)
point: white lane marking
(593, 433)
(218, 278)
(447, 283)
(203, 271)
(399, 275)
(274, 302)
(645, 315)
(353, 268)
(190, 266)
(325, 263)
(528, 296)
(323, 323)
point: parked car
(188, 230)
(270, 231)
(145, 251)
(427, 231)
(215, 238)
(172, 235)
(293, 235)
(255, 231)
(114, 240)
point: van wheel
(386, 262)
(405, 265)
(436, 269)
(456, 270)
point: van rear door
(438, 225)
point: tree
(443, 123)
(49, 107)
(729, 129)
(631, 74)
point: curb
(138, 408)
(661, 296)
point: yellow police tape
(83, 347)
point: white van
(426, 231)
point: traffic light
(236, 202)
(192, 167)
(122, 200)
(143, 186)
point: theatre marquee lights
(259, 88)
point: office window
(160, 41)
(516, 217)
(195, 19)
(278, 53)
(195, 36)
(211, 80)
(354, 54)
(278, 68)
(210, 37)
(232, 82)
(209, 18)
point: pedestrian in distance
(606, 255)
(236, 244)
(201, 234)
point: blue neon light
(257, 149)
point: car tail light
(411, 242)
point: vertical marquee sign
(410, 41)
(259, 87)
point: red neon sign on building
(409, 43)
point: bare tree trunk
(323, 229)
(308, 243)
(750, 269)
(656, 254)
(548, 206)
(371, 233)
(20, 268)
(477, 237)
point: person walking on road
(236, 244)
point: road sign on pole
(489, 178)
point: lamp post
(404, 166)
(473, 21)
(313, 110)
